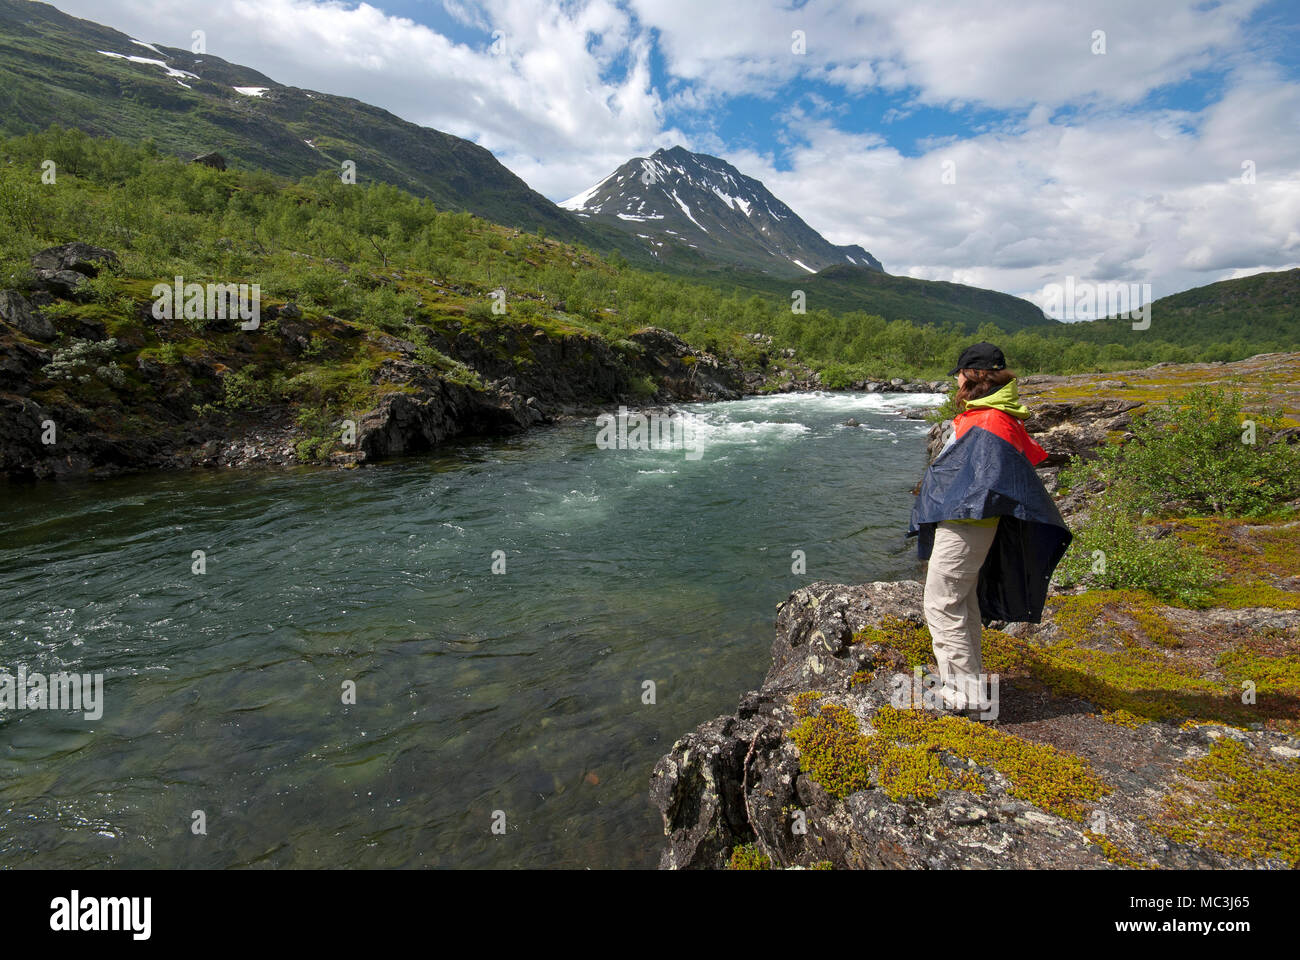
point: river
(637, 600)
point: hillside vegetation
(380, 256)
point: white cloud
(985, 52)
(1107, 199)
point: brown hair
(980, 383)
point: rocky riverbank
(84, 391)
(1123, 737)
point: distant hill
(1260, 312)
(842, 287)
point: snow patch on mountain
(578, 201)
(687, 210)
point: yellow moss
(1253, 553)
(909, 639)
(1237, 596)
(1136, 683)
(1269, 674)
(1117, 853)
(1099, 615)
(1122, 718)
(831, 749)
(747, 857)
(1249, 806)
(803, 702)
(904, 757)
(1036, 772)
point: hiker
(986, 523)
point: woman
(988, 526)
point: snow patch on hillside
(170, 71)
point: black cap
(980, 356)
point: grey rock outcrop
(738, 779)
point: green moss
(748, 857)
(1241, 803)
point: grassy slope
(1274, 377)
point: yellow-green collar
(1006, 398)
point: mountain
(675, 199)
(58, 69)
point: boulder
(79, 257)
(63, 270)
(214, 160)
(16, 310)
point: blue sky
(1116, 165)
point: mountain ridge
(59, 68)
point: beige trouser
(952, 608)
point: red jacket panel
(1009, 428)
